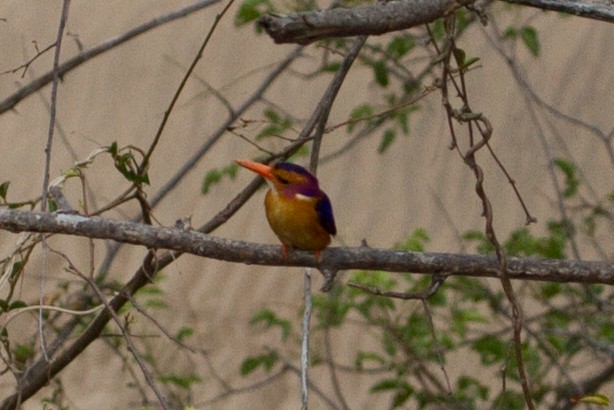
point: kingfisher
(298, 211)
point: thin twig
(44, 199)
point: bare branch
(310, 26)
(589, 9)
(363, 257)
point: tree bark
(331, 259)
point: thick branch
(384, 17)
(310, 26)
(589, 9)
(332, 259)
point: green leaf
(331, 309)
(598, 399)
(461, 318)
(388, 384)
(364, 357)
(530, 40)
(470, 388)
(387, 139)
(267, 361)
(250, 10)
(491, 349)
(4, 187)
(215, 176)
(510, 33)
(270, 320)
(184, 381)
(381, 73)
(509, 400)
(415, 242)
(571, 179)
(126, 164)
(399, 46)
(402, 388)
(362, 111)
(276, 124)
(331, 67)
(184, 333)
(484, 246)
(18, 304)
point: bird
(298, 211)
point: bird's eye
(283, 180)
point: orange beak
(261, 169)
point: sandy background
(121, 96)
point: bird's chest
(295, 220)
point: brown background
(121, 96)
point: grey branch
(331, 259)
(307, 27)
(310, 26)
(589, 9)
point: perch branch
(196, 243)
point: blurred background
(417, 182)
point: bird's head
(287, 178)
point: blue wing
(325, 215)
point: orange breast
(295, 221)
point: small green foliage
(331, 67)
(509, 400)
(403, 390)
(415, 242)
(376, 279)
(362, 358)
(469, 388)
(461, 59)
(362, 111)
(22, 353)
(387, 139)
(250, 10)
(18, 304)
(400, 45)
(528, 35)
(332, 308)
(549, 290)
(571, 179)
(484, 246)
(269, 320)
(5, 306)
(125, 162)
(530, 39)
(4, 188)
(183, 333)
(215, 176)
(266, 361)
(598, 399)
(462, 318)
(380, 70)
(183, 381)
(276, 124)
(491, 349)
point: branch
(331, 259)
(589, 9)
(307, 27)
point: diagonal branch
(332, 259)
